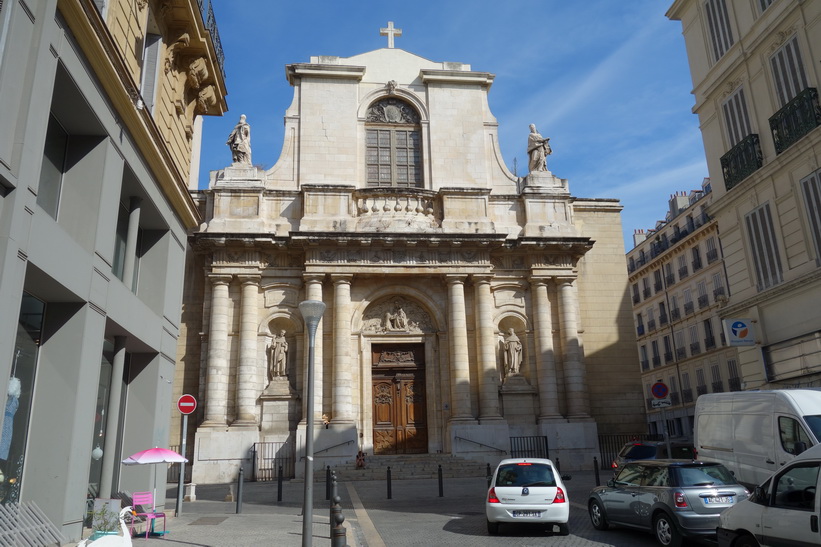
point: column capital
(565, 280)
(482, 277)
(219, 278)
(341, 278)
(540, 279)
(455, 278)
(249, 278)
(313, 277)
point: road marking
(372, 537)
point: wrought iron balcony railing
(646, 292)
(697, 264)
(695, 348)
(734, 384)
(710, 342)
(688, 308)
(675, 314)
(797, 118)
(681, 353)
(651, 325)
(207, 13)
(671, 279)
(645, 365)
(718, 387)
(675, 399)
(668, 356)
(741, 161)
(636, 298)
(656, 361)
(657, 286)
(663, 319)
(701, 390)
(703, 301)
(712, 256)
(687, 395)
(682, 272)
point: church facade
(465, 305)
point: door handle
(768, 460)
(814, 523)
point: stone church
(465, 305)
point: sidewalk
(369, 514)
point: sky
(606, 80)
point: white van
(782, 511)
(753, 433)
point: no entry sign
(187, 404)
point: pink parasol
(154, 455)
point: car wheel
(746, 541)
(666, 532)
(597, 516)
(492, 528)
(564, 529)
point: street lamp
(311, 311)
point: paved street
(415, 515)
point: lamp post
(311, 311)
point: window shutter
(151, 58)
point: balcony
(657, 286)
(718, 292)
(734, 384)
(675, 314)
(697, 264)
(688, 308)
(797, 118)
(651, 325)
(741, 161)
(207, 13)
(701, 390)
(646, 292)
(645, 365)
(712, 256)
(682, 272)
(656, 361)
(670, 279)
(718, 387)
(663, 319)
(681, 353)
(703, 301)
(710, 342)
(668, 356)
(687, 395)
(695, 348)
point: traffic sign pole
(186, 405)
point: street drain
(212, 521)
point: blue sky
(606, 80)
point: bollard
(279, 484)
(389, 482)
(336, 509)
(328, 482)
(338, 531)
(441, 489)
(239, 490)
(489, 476)
(596, 469)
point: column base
(212, 424)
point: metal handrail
(482, 444)
(331, 447)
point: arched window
(393, 144)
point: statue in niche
(512, 353)
(396, 319)
(240, 142)
(538, 148)
(278, 356)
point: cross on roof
(390, 32)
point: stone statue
(538, 148)
(240, 142)
(512, 353)
(278, 356)
(396, 320)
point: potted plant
(105, 519)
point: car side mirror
(566, 477)
(611, 483)
(799, 447)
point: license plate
(719, 499)
(527, 514)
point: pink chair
(145, 501)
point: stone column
(313, 291)
(342, 405)
(458, 335)
(216, 379)
(130, 257)
(545, 362)
(486, 351)
(247, 387)
(112, 421)
(575, 383)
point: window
(764, 247)
(795, 487)
(682, 267)
(668, 349)
(791, 432)
(736, 118)
(150, 69)
(811, 188)
(718, 22)
(681, 350)
(788, 71)
(693, 334)
(53, 167)
(685, 380)
(393, 145)
(696, 251)
(636, 297)
(718, 284)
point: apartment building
(678, 288)
(755, 71)
(101, 102)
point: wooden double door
(399, 408)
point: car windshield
(705, 475)
(814, 422)
(525, 474)
(638, 452)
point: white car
(784, 510)
(527, 491)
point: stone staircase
(406, 466)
